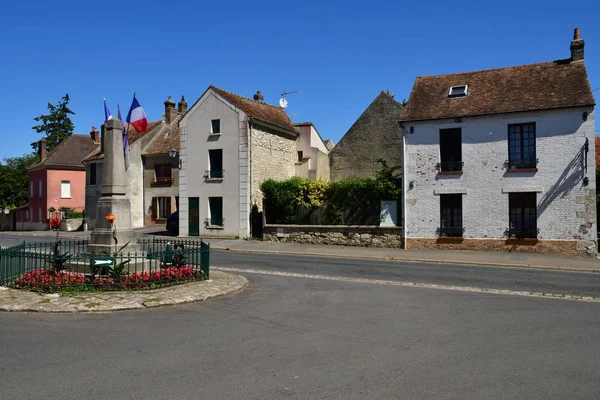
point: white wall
(195, 128)
(566, 209)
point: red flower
(54, 223)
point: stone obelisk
(114, 198)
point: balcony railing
(450, 166)
(522, 164)
(455, 231)
(214, 174)
(523, 233)
(214, 222)
(163, 179)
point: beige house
(230, 144)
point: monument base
(102, 235)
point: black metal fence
(72, 266)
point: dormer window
(458, 91)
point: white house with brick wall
(502, 159)
(229, 145)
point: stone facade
(566, 212)
(562, 247)
(342, 235)
(375, 135)
(273, 156)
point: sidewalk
(503, 259)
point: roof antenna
(283, 103)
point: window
(162, 173)
(523, 215)
(27, 213)
(31, 189)
(40, 188)
(300, 156)
(92, 174)
(521, 146)
(451, 215)
(216, 164)
(451, 150)
(40, 214)
(215, 205)
(164, 207)
(215, 126)
(458, 91)
(65, 189)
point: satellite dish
(283, 102)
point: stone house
(57, 180)
(502, 159)
(230, 144)
(152, 176)
(313, 154)
(375, 135)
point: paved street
(316, 338)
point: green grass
(92, 305)
(154, 299)
(46, 301)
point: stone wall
(343, 235)
(273, 156)
(562, 247)
(375, 135)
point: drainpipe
(404, 186)
(248, 227)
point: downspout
(404, 186)
(144, 190)
(248, 226)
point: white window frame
(63, 194)
(212, 132)
(458, 94)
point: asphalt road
(289, 337)
(517, 279)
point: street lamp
(173, 154)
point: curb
(421, 260)
(32, 302)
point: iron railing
(214, 221)
(72, 266)
(456, 231)
(519, 164)
(451, 166)
(214, 174)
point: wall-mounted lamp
(586, 181)
(411, 185)
(412, 129)
(584, 116)
(173, 154)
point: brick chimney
(42, 149)
(182, 106)
(170, 111)
(95, 135)
(259, 97)
(577, 47)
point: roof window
(458, 91)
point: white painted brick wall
(566, 209)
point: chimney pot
(259, 97)
(42, 149)
(170, 112)
(95, 135)
(182, 106)
(577, 46)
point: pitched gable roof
(262, 111)
(549, 85)
(69, 153)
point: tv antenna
(283, 103)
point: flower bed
(45, 280)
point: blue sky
(339, 55)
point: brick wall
(273, 156)
(374, 135)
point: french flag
(137, 117)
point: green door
(194, 216)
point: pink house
(57, 180)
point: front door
(194, 216)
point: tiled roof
(549, 85)
(69, 153)
(133, 137)
(262, 111)
(167, 136)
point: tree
(13, 180)
(56, 125)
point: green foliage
(56, 125)
(351, 201)
(13, 180)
